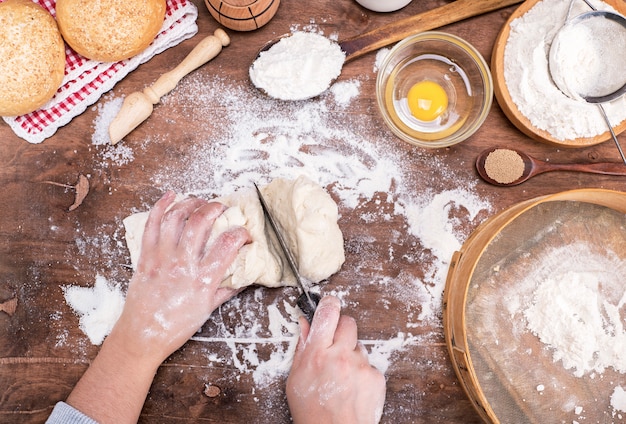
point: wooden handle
(137, 107)
(204, 51)
(604, 168)
(450, 13)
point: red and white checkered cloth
(86, 80)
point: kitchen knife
(307, 301)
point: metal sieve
(613, 26)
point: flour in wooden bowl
(530, 85)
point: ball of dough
(308, 218)
(110, 30)
(32, 57)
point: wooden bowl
(242, 15)
(510, 108)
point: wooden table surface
(44, 247)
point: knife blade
(308, 300)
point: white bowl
(383, 5)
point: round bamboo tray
(508, 105)
(515, 394)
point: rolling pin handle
(204, 51)
(152, 95)
(138, 106)
(222, 36)
(135, 109)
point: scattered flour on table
(270, 139)
(380, 351)
(528, 79)
(618, 399)
(434, 223)
(98, 307)
(259, 139)
(380, 56)
(119, 154)
(244, 342)
(107, 111)
(345, 91)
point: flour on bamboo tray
(573, 301)
(575, 310)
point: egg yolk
(427, 100)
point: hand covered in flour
(331, 380)
(173, 292)
(176, 286)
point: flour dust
(360, 164)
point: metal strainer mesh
(516, 371)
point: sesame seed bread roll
(32, 57)
(109, 30)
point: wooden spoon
(534, 167)
(393, 32)
(440, 16)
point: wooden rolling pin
(138, 106)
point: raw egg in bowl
(434, 89)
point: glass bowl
(434, 89)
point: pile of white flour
(299, 66)
(98, 307)
(574, 300)
(530, 84)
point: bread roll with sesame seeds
(110, 30)
(32, 57)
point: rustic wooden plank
(43, 247)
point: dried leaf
(211, 390)
(9, 306)
(54, 183)
(82, 189)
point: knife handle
(306, 307)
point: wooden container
(501, 370)
(242, 15)
(506, 102)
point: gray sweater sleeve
(65, 414)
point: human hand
(176, 286)
(174, 290)
(331, 380)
